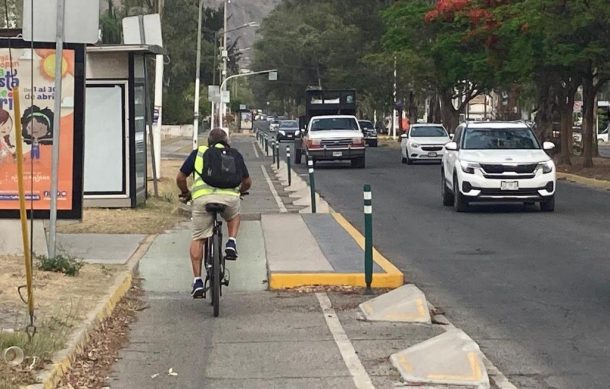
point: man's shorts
(203, 222)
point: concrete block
(11, 242)
(452, 358)
(297, 184)
(322, 207)
(306, 200)
(404, 304)
(290, 246)
(303, 192)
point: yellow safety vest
(200, 188)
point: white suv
(497, 161)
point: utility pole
(196, 103)
(158, 104)
(394, 104)
(225, 54)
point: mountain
(240, 12)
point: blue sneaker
(197, 292)
(231, 250)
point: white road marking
(277, 198)
(358, 372)
(255, 151)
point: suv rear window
(428, 131)
(499, 139)
(334, 124)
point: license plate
(432, 154)
(337, 153)
(289, 136)
(509, 185)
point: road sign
(81, 21)
(214, 93)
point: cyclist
(203, 193)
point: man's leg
(233, 226)
(196, 252)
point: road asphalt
(531, 288)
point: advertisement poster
(33, 72)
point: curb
(62, 360)
(591, 182)
(390, 278)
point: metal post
(223, 106)
(277, 154)
(288, 165)
(273, 151)
(196, 104)
(267, 145)
(59, 47)
(312, 185)
(368, 237)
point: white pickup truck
(333, 137)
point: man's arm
(181, 182)
(246, 184)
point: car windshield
(366, 125)
(428, 132)
(289, 124)
(499, 138)
(334, 124)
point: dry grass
(60, 303)
(600, 171)
(157, 215)
(387, 141)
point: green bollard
(277, 153)
(368, 237)
(312, 185)
(288, 165)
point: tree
(439, 45)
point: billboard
(32, 71)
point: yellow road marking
(382, 261)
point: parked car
(369, 132)
(602, 136)
(288, 130)
(423, 142)
(497, 161)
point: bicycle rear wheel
(216, 274)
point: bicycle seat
(215, 207)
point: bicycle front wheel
(216, 274)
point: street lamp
(272, 77)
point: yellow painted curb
(63, 359)
(390, 278)
(592, 182)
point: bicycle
(213, 260)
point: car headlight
(546, 167)
(297, 133)
(414, 145)
(282, 132)
(468, 167)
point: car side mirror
(548, 146)
(451, 136)
(451, 146)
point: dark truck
(329, 128)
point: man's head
(217, 135)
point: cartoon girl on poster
(37, 128)
(7, 148)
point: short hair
(217, 135)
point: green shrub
(60, 264)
